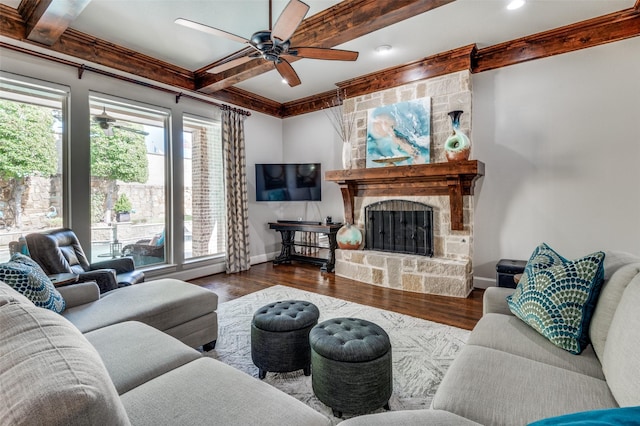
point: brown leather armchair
(58, 251)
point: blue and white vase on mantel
(457, 146)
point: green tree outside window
(27, 148)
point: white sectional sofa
(124, 372)
(509, 374)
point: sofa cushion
(121, 345)
(206, 391)
(26, 277)
(8, 295)
(629, 416)
(50, 373)
(610, 295)
(557, 296)
(494, 300)
(621, 359)
(492, 387)
(410, 418)
(162, 304)
(509, 334)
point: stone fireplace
(446, 187)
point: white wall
(263, 144)
(561, 143)
(310, 138)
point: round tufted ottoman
(280, 336)
(351, 361)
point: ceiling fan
(274, 44)
(107, 123)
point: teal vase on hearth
(349, 237)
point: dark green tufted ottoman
(280, 336)
(351, 360)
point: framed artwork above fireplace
(399, 134)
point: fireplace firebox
(399, 226)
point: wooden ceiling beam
(433, 66)
(336, 25)
(609, 28)
(311, 103)
(94, 50)
(46, 20)
(592, 32)
(244, 99)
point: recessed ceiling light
(383, 49)
(515, 4)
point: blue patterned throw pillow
(557, 296)
(26, 277)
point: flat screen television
(288, 182)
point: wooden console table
(288, 251)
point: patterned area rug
(421, 350)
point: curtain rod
(82, 68)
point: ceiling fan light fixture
(383, 49)
(284, 81)
(515, 4)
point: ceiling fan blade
(289, 20)
(287, 72)
(210, 30)
(230, 64)
(323, 53)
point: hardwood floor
(462, 313)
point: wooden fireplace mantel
(454, 179)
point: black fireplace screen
(399, 226)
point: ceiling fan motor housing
(270, 50)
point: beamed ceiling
(429, 37)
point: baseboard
(262, 258)
(481, 282)
(191, 274)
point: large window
(128, 181)
(204, 205)
(32, 117)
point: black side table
(59, 280)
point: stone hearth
(421, 274)
(447, 273)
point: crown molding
(593, 32)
